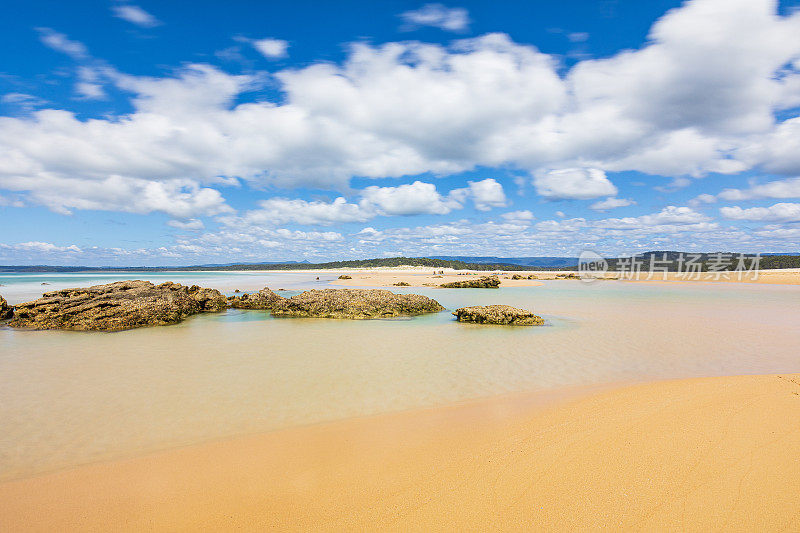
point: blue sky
(173, 133)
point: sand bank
(700, 454)
(417, 278)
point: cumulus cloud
(283, 210)
(611, 203)
(485, 194)
(180, 198)
(135, 15)
(407, 108)
(573, 183)
(271, 48)
(782, 212)
(417, 198)
(39, 246)
(438, 16)
(409, 199)
(788, 188)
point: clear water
(70, 397)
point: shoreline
(387, 278)
(693, 453)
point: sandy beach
(426, 278)
(697, 454)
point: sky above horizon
(169, 133)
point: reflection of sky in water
(70, 397)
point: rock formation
(117, 306)
(498, 314)
(401, 284)
(6, 311)
(263, 299)
(345, 276)
(354, 304)
(484, 282)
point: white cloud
(788, 188)
(438, 16)
(578, 37)
(271, 48)
(180, 198)
(416, 198)
(486, 194)
(38, 246)
(89, 86)
(135, 15)
(782, 212)
(573, 183)
(409, 199)
(283, 210)
(193, 224)
(702, 199)
(519, 217)
(611, 203)
(9, 202)
(407, 108)
(61, 43)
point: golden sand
(426, 278)
(699, 454)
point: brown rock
(6, 311)
(498, 314)
(484, 282)
(117, 306)
(263, 299)
(356, 304)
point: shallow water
(70, 397)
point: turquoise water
(17, 288)
(71, 397)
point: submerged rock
(263, 299)
(484, 282)
(498, 314)
(357, 304)
(6, 311)
(117, 306)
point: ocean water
(68, 398)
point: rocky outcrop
(117, 306)
(345, 276)
(6, 311)
(401, 284)
(498, 314)
(484, 282)
(263, 299)
(356, 304)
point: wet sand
(696, 454)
